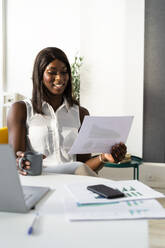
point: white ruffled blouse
(53, 133)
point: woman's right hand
(25, 163)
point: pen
(31, 229)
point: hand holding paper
(98, 134)
(118, 152)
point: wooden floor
(157, 228)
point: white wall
(33, 25)
(109, 34)
(112, 43)
(133, 69)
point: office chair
(4, 135)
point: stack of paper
(138, 203)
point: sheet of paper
(137, 209)
(133, 190)
(55, 201)
(98, 134)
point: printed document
(98, 134)
(137, 209)
(133, 190)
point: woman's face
(55, 77)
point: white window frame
(2, 58)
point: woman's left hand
(117, 154)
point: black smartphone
(105, 191)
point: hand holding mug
(29, 163)
(25, 164)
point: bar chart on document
(131, 191)
(137, 207)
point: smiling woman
(49, 123)
(55, 77)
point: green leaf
(75, 71)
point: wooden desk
(157, 230)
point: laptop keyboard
(27, 196)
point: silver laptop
(13, 196)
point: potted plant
(75, 71)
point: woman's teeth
(58, 85)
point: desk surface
(55, 231)
(157, 230)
